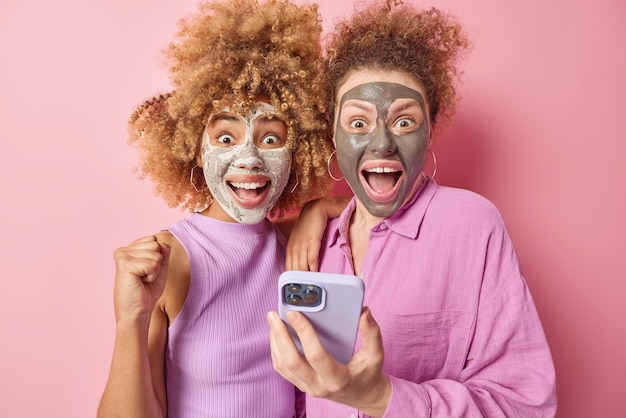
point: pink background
(540, 132)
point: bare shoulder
(178, 277)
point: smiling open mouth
(248, 191)
(381, 180)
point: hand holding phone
(331, 302)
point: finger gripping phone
(332, 303)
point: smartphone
(331, 302)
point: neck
(362, 219)
(215, 211)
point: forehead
(375, 85)
(381, 93)
(260, 110)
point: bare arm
(136, 384)
(303, 247)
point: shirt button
(352, 416)
(383, 226)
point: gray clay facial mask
(382, 133)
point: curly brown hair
(228, 55)
(389, 35)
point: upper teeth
(382, 170)
(248, 185)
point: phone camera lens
(294, 299)
(310, 297)
(293, 288)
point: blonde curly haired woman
(243, 135)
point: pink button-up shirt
(461, 334)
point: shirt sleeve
(508, 370)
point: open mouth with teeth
(249, 194)
(381, 181)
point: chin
(381, 211)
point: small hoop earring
(297, 181)
(330, 173)
(193, 183)
(432, 176)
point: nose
(249, 158)
(381, 143)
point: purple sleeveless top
(218, 361)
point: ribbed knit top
(218, 360)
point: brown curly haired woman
(243, 135)
(456, 331)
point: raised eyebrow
(268, 118)
(362, 105)
(395, 110)
(405, 105)
(227, 117)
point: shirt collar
(405, 221)
(408, 219)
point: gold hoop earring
(330, 173)
(432, 176)
(193, 183)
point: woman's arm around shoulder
(305, 234)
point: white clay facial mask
(382, 135)
(246, 162)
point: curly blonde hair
(390, 35)
(228, 55)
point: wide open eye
(404, 123)
(357, 117)
(405, 116)
(225, 139)
(225, 129)
(272, 141)
(358, 125)
(270, 132)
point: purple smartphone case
(336, 319)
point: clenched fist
(140, 273)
